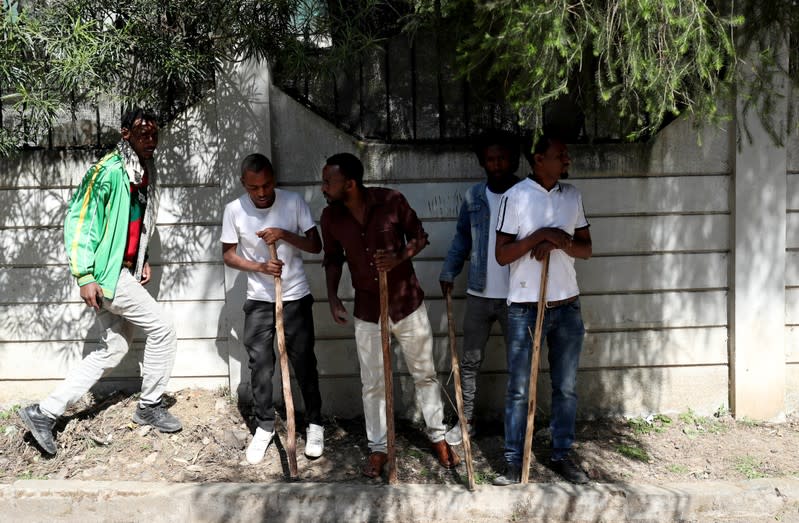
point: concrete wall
(656, 294)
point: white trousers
(416, 338)
(132, 306)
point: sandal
(374, 464)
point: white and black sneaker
(40, 425)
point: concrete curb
(83, 501)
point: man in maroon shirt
(374, 229)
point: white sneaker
(314, 441)
(454, 436)
(257, 447)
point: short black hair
(500, 137)
(349, 165)
(130, 116)
(256, 162)
(541, 146)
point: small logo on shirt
(523, 284)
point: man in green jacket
(107, 229)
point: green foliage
(645, 60)
(483, 478)
(695, 424)
(641, 61)
(750, 467)
(9, 412)
(633, 452)
(746, 422)
(57, 55)
(655, 423)
(676, 468)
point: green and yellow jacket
(96, 226)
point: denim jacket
(471, 240)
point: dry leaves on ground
(98, 441)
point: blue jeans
(564, 332)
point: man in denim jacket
(475, 238)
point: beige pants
(416, 338)
(132, 306)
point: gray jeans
(132, 306)
(480, 315)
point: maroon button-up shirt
(389, 224)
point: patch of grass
(676, 468)
(415, 453)
(750, 467)
(696, 424)
(654, 423)
(483, 478)
(746, 422)
(28, 474)
(633, 452)
(427, 473)
(9, 412)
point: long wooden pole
(385, 337)
(532, 390)
(456, 371)
(291, 444)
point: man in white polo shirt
(262, 216)
(538, 216)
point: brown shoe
(446, 455)
(374, 464)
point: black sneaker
(158, 417)
(40, 425)
(569, 471)
(511, 476)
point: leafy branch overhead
(641, 62)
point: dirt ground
(98, 441)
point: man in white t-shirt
(542, 216)
(263, 216)
(475, 237)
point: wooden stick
(531, 393)
(291, 444)
(385, 336)
(456, 371)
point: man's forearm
(332, 280)
(413, 247)
(509, 249)
(234, 261)
(305, 243)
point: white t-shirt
(242, 219)
(496, 274)
(527, 207)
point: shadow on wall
(654, 294)
(41, 305)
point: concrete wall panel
(196, 357)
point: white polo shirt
(527, 207)
(242, 219)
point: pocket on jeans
(518, 310)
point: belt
(558, 303)
(552, 304)
(127, 264)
